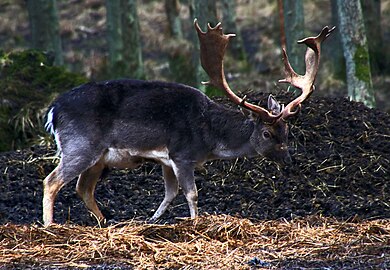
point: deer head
(271, 122)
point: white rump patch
(49, 122)
(50, 128)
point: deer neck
(232, 132)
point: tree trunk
(372, 20)
(44, 26)
(114, 37)
(172, 9)
(211, 11)
(132, 40)
(356, 54)
(196, 11)
(125, 52)
(179, 49)
(294, 25)
(334, 48)
(229, 18)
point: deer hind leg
(86, 187)
(71, 165)
(171, 190)
(51, 185)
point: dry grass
(215, 242)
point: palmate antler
(305, 82)
(213, 45)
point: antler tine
(213, 45)
(305, 82)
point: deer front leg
(171, 190)
(86, 188)
(185, 175)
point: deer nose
(287, 160)
(286, 153)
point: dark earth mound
(340, 169)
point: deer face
(271, 140)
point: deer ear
(273, 105)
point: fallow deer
(122, 123)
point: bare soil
(340, 171)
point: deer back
(145, 116)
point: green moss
(212, 91)
(361, 59)
(28, 83)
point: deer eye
(267, 135)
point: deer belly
(131, 158)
